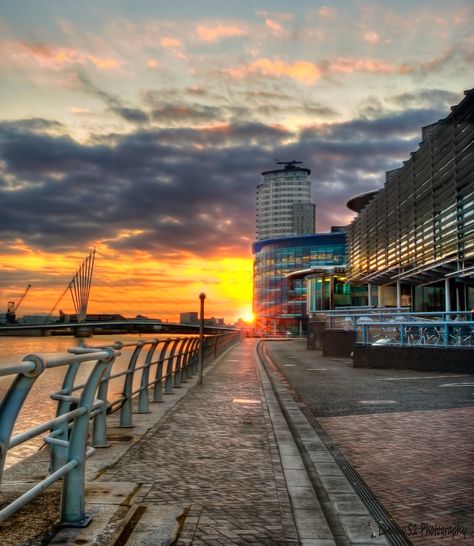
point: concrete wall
(457, 360)
(338, 342)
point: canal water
(38, 406)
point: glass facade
(279, 303)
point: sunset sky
(141, 128)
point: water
(38, 406)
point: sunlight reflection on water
(38, 406)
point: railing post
(365, 334)
(73, 491)
(190, 359)
(143, 403)
(158, 386)
(58, 452)
(126, 420)
(184, 361)
(169, 368)
(177, 371)
(195, 357)
(13, 401)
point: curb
(348, 517)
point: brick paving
(215, 452)
(418, 463)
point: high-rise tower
(284, 207)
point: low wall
(338, 342)
(315, 333)
(457, 360)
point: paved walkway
(215, 452)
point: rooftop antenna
(288, 164)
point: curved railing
(154, 368)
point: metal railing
(349, 320)
(408, 333)
(156, 367)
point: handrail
(349, 320)
(167, 364)
(410, 333)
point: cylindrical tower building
(284, 207)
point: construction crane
(10, 315)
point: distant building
(190, 317)
(279, 297)
(284, 207)
(412, 242)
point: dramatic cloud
(185, 190)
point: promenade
(213, 464)
(242, 459)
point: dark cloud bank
(180, 187)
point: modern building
(284, 207)
(412, 242)
(279, 299)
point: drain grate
(394, 534)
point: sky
(141, 128)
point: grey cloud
(184, 189)
(426, 98)
(115, 105)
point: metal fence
(155, 367)
(452, 334)
(351, 319)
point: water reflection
(38, 406)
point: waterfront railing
(154, 368)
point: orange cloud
(273, 25)
(152, 63)
(55, 57)
(214, 34)
(348, 66)
(302, 71)
(170, 43)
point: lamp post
(202, 297)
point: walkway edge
(349, 520)
(311, 523)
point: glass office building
(414, 239)
(279, 298)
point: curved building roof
(358, 202)
(302, 240)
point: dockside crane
(10, 315)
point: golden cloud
(55, 57)
(171, 43)
(214, 34)
(302, 71)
